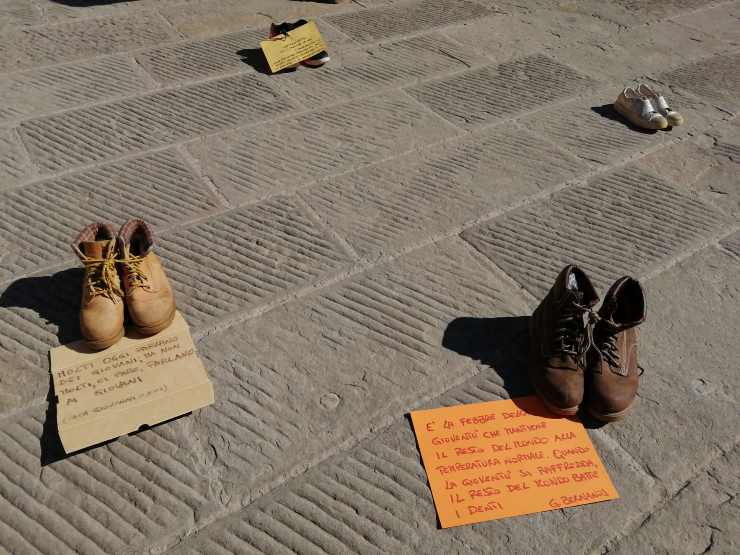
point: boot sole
(100, 344)
(569, 411)
(634, 120)
(156, 328)
(609, 416)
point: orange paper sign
(492, 460)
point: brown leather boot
(101, 310)
(149, 296)
(556, 366)
(613, 373)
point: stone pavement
(353, 242)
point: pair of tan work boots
(117, 268)
(571, 361)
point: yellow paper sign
(294, 47)
(138, 381)
(487, 461)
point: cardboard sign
(140, 380)
(487, 461)
(294, 47)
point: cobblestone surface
(327, 229)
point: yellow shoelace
(103, 277)
(132, 267)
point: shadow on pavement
(55, 298)
(255, 58)
(607, 111)
(500, 343)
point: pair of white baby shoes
(645, 108)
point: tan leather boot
(613, 372)
(556, 335)
(101, 310)
(149, 296)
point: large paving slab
(160, 187)
(35, 92)
(396, 63)
(23, 48)
(640, 51)
(721, 22)
(489, 94)
(708, 170)
(247, 165)
(404, 18)
(715, 78)
(134, 125)
(295, 384)
(247, 257)
(394, 204)
(625, 222)
(114, 498)
(707, 509)
(513, 35)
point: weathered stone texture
(23, 48)
(250, 163)
(110, 130)
(391, 205)
(622, 223)
(407, 17)
(491, 93)
(35, 92)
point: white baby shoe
(659, 101)
(639, 110)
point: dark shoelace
(568, 330)
(606, 347)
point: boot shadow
(500, 343)
(55, 298)
(255, 58)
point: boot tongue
(573, 294)
(95, 249)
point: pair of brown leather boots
(572, 362)
(117, 268)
